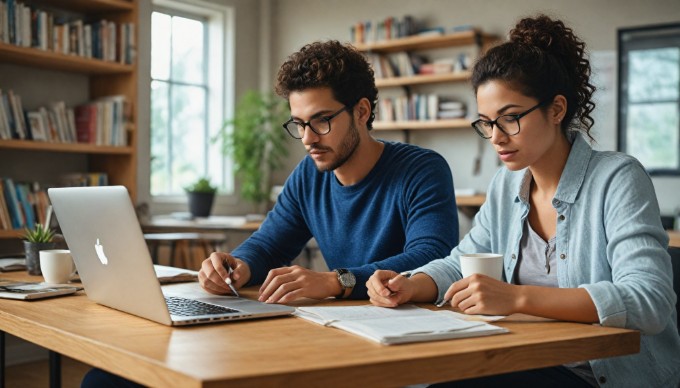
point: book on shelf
(404, 324)
(100, 122)
(22, 204)
(371, 31)
(66, 33)
(10, 289)
(79, 179)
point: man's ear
(362, 111)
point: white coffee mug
(489, 264)
(57, 265)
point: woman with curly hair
(579, 229)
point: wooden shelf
(674, 238)
(90, 6)
(421, 125)
(417, 42)
(54, 61)
(471, 200)
(16, 233)
(64, 147)
(423, 79)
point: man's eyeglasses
(508, 124)
(319, 125)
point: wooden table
(674, 238)
(290, 351)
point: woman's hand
(480, 294)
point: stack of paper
(404, 324)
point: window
(649, 96)
(189, 96)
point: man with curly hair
(370, 204)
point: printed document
(407, 323)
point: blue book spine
(23, 196)
(12, 204)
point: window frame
(648, 37)
(220, 26)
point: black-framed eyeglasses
(508, 124)
(320, 125)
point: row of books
(371, 31)
(100, 122)
(406, 64)
(23, 204)
(419, 107)
(26, 26)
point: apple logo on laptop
(100, 253)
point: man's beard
(347, 148)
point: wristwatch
(346, 280)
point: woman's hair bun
(546, 34)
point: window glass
(187, 50)
(649, 96)
(181, 124)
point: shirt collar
(573, 174)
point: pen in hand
(405, 274)
(229, 281)
(443, 303)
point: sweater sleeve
(281, 236)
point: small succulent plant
(39, 234)
(202, 185)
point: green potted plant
(35, 240)
(201, 196)
(257, 144)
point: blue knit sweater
(400, 216)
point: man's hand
(214, 273)
(389, 289)
(287, 284)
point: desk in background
(182, 236)
(289, 351)
(167, 223)
(674, 238)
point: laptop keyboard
(190, 307)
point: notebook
(106, 241)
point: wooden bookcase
(420, 43)
(104, 79)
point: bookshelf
(102, 78)
(421, 43)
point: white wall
(297, 22)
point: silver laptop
(102, 231)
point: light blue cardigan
(609, 241)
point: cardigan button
(602, 380)
(513, 256)
(563, 256)
(562, 217)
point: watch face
(347, 279)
